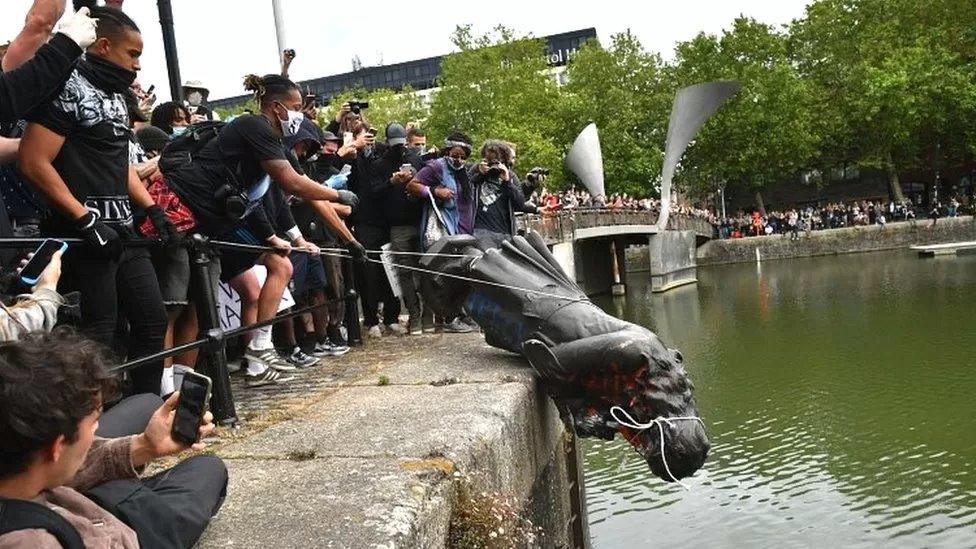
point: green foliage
(497, 86)
(624, 91)
(766, 133)
(881, 83)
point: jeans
(128, 283)
(374, 286)
(406, 238)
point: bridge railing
(561, 226)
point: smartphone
(347, 139)
(407, 168)
(151, 89)
(194, 399)
(42, 256)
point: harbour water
(839, 398)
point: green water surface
(839, 395)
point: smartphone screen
(194, 398)
(42, 256)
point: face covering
(455, 163)
(179, 130)
(290, 126)
(194, 98)
(106, 75)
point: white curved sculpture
(585, 159)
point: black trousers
(171, 509)
(129, 417)
(128, 285)
(373, 284)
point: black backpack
(181, 151)
(18, 514)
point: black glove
(164, 227)
(348, 198)
(101, 238)
(357, 251)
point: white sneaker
(397, 329)
(374, 332)
(269, 376)
(268, 358)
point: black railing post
(354, 331)
(214, 356)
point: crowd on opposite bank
(833, 215)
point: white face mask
(194, 98)
(178, 130)
(290, 127)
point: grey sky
(219, 41)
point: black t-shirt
(494, 210)
(233, 157)
(94, 161)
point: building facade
(422, 74)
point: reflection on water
(838, 394)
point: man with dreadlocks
(224, 186)
(75, 152)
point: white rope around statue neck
(628, 421)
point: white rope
(629, 421)
(472, 280)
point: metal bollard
(354, 330)
(214, 355)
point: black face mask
(106, 75)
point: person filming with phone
(63, 486)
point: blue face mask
(178, 131)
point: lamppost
(169, 47)
(279, 20)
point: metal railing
(213, 339)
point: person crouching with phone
(61, 485)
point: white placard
(391, 273)
(229, 303)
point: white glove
(80, 28)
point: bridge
(590, 245)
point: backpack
(17, 514)
(182, 150)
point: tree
(497, 86)
(893, 78)
(624, 91)
(763, 135)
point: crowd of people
(832, 215)
(86, 154)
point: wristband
(294, 233)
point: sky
(219, 42)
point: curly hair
(164, 115)
(48, 383)
(268, 88)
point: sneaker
(269, 376)
(327, 348)
(416, 326)
(397, 329)
(457, 327)
(374, 332)
(300, 359)
(268, 358)
(336, 335)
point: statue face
(663, 390)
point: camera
(535, 174)
(494, 169)
(358, 106)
